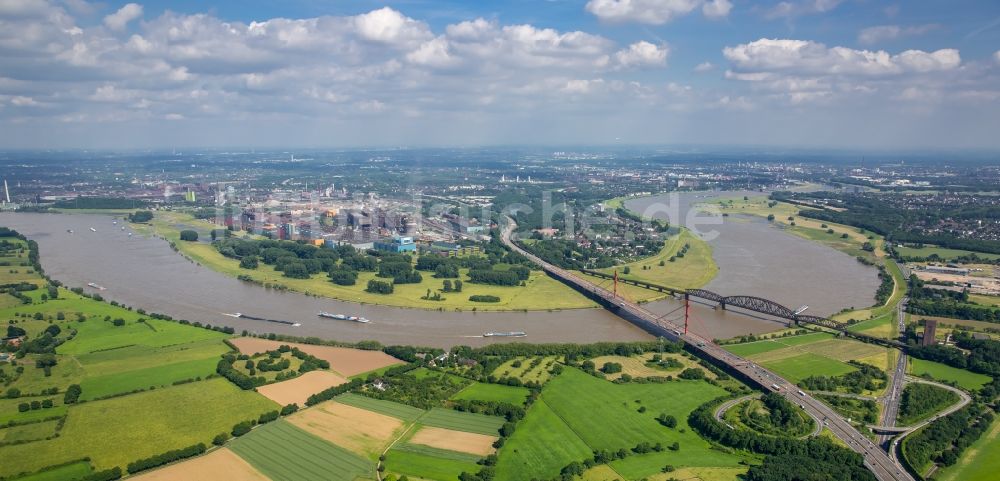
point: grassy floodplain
(968, 380)
(540, 293)
(980, 462)
(570, 420)
(695, 269)
(815, 354)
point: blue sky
(805, 73)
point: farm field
(541, 292)
(429, 463)
(283, 452)
(345, 361)
(358, 430)
(61, 473)
(560, 427)
(299, 388)
(462, 421)
(117, 431)
(942, 372)
(388, 408)
(464, 442)
(219, 464)
(540, 447)
(493, 392)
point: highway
(895, 393)
(884, 467)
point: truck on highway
(776, 387)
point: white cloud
(391, 27)
(996, 56)
(807, 57)
(654, 12)
(119, 20)
(717, 8)
(704, 67)
(22, 101)
(790, 9)
(642, 54)
(881, 33)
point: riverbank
(693, 269)
(540, 293)
(879, 319)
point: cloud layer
(384, 76)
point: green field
(116, 431)
(462, 421)
(389, 408)
(695, 269)
(564, 426)
(801, 366)
(62, 473)
(28, 432)
(429, 463)
(284, 452)
(943, 253)
(480, 391)
(965, 379)
(979, 462)
(540, 447)
(159, 376)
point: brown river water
(754, 258)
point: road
(891, 400)
(720, 412)
(884, 467)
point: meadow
(694, 269)
(562, 427)
(493, 392)
(819, 354)
(535, 369)
(968, 380)
(980, 462)
(942, 253)
(429, 463)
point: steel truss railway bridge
(751, 303)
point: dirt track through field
(346, 361)
(299, 389)
(219, 464)
(462, 442)
(358, 430)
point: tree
(189, 235)
(770, 217)
(446, 285)
(249, 262)
(458, 288)
(220, 439)
(72, 394)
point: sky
(841, 74)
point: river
(754, 258)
